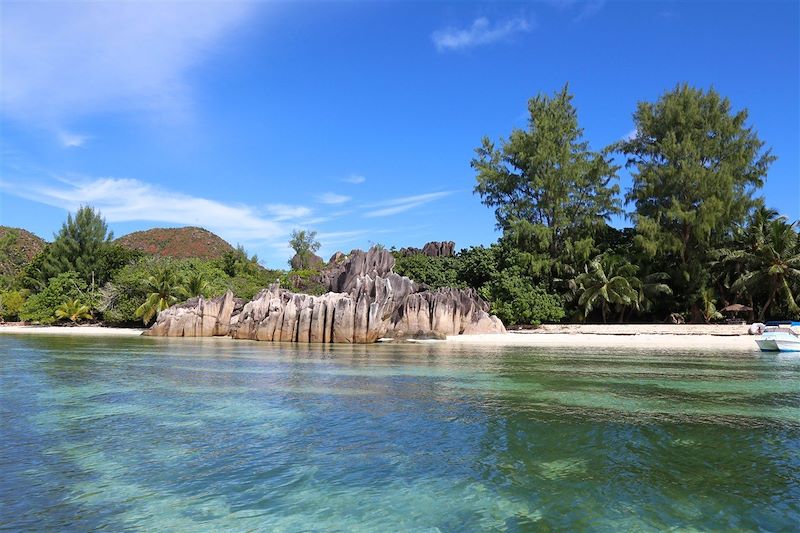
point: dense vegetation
(701, 237)
(83, 274)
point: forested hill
(17, 247)
(178, 243)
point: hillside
(17, 248)
(179, 243)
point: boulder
(197, 317)
(367, 301)
(439, 249)
(431, 249)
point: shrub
(515, 300)
(11, 303)
(41, 307)
(435, 272)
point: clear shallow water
(213, 435)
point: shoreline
(632, 336)
(97, 331)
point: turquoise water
(215, 435)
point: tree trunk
(772, 294)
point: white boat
(779, 337)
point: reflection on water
(212, 435)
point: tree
(164, 288)
(195, 285)
(73, 310)
(41, 307)
(77, 247)
(608, 282)
(547, 176)
(774, 265)
(305, 245)
(515, 300)
(696, 166)
(236, 262)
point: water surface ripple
(118, 434)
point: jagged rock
(197, 317)
(431, 249)
(439, 249)
(376, 262)
(337, 259)
(367, 302)
(312, 261)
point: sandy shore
(97, 331)
(633, 336)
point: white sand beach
(98, 331)
(634, 336)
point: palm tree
(649, 288)
(607, 281)
(195, 285)
(774, 264)
(730, 261)
(708, 305)
(73, 310)
(164, 287)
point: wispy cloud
(582, 9)
(479, 33)
(589, 9)
(128, 200)
(355, 179)
(72, 140)
(288, 212)
(400, 205)
(630, 135)
(331, 198)
(62, 60)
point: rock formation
(367, 301)
(431, 249)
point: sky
(357, 120)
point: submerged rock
(367, 301)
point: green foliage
(11, 302)
(547, 176)
(164, 288)
(515, 300)
(695, 167)
(433, 272)
(772, 264)
(305, 281)
(236, 263)
(41, 307)
(610, 283)
(74, 311)
(78, 247)
(113, 257)
(305, 245)
(195, 284)
(477, 266)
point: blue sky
(357, 120)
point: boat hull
(779, 341)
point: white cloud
(61, 60)
(399, 205)
(127, 200)
(630, 135)
(72, 140)
(288, 212)
(331, 198)
(355, 179)
(480, 32)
